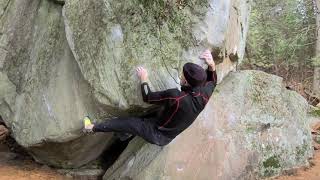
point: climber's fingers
(207, 51)
(141, 71)
(206, 55)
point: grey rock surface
(159, 35)
(60, 61)
(252, 128)
(51, 96)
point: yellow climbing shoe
(87, 125)
(87, 121)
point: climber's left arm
(157, 97)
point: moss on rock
(315, 112)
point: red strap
(175, 111)
(203, 96)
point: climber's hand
(206, 55)
(142, 74)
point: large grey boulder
(50, 95)
(64, 64)
(252, 127)
(160, 35)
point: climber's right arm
(148, 96)
(211, 76)
(211, 71)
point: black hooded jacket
(180, 108)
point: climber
(180, 108)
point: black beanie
(194, 74)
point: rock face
(159, 35)
(61, 60)
(253, 127)
(47, 95)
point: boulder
(67, 59)
(45, 94)
(7, 97)
(252, 128)
(110, 38)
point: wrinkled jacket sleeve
(212, 76)
(159, 97)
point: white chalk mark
(51, 114)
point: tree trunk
(316, 76)
(316, 81)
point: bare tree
(316, 76)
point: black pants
(144, 128)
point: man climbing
(180, 108)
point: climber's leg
(127, 125)
(135, 126)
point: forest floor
(312, 173)
(28, 170)
(17, 168)
(16, 164)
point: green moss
(259, 87)
(269, 172)
(271, 166)
(177, 16)
(317, 139)
(316, 61)
(250, 129)
(158, 30)
(315, 112)
(301, 151)
(269, 148)
(272, 162)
